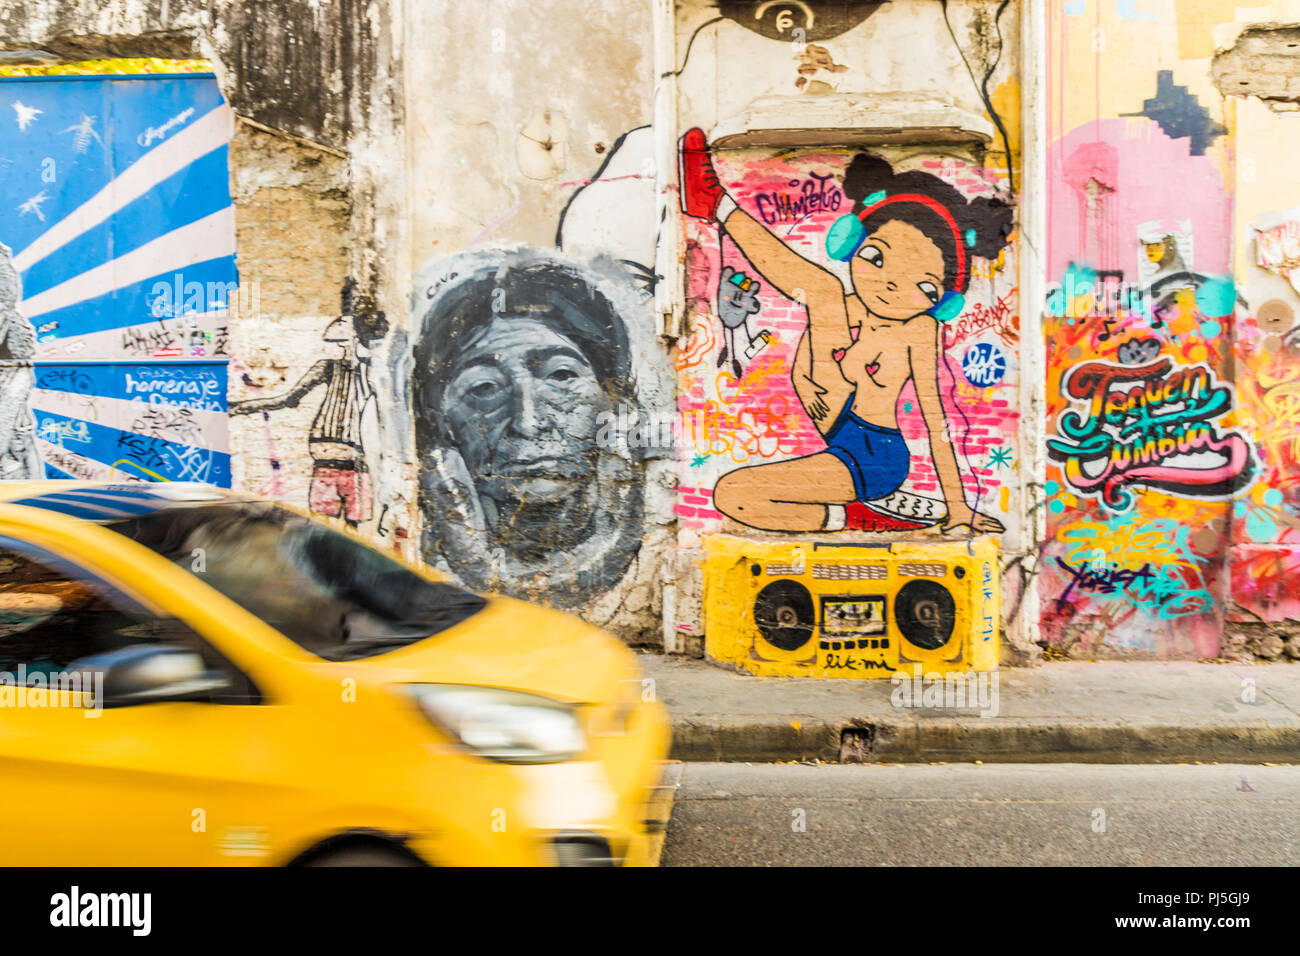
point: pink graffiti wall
(737, 399)
(1154, 472)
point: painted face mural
(862, 389)
(520, 359)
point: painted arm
(796, 277)
(316, 375)
(923, 357)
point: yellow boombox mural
(811, 609)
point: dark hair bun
(867, 174)
(988, 220)
(992, 219)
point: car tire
(363, 856)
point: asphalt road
(729, 814)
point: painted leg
(785, 495)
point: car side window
(54, 613)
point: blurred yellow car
(192, 677)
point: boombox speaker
(815, 609)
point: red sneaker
(860, 516)
(700, 190)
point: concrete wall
(532, 216)
(486, 336)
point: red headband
(944, 214)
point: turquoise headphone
(848, 233)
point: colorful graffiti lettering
(765, 432)
(1158, 432)
(1148, 564)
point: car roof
(94, 501)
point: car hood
(514, 645)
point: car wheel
(363, 856)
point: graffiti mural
(1145, 454)
(153, 422)
(117, 277)
(860, 417)
(1148, 455)
(1266, 520)
(340, 477)
(519, 358)
(538, 395)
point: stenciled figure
(19, 458)
(340, 479)
(737, 301)
(519, 359)
(909, 240)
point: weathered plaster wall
(533, 346)
(456, 224)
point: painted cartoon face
(898, 271)
(522, 404)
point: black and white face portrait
(519, 358)
(522, 406)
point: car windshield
(328, 592)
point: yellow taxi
(193, 677)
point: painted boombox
(812, 609)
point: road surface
(729, 814)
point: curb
(787, 737)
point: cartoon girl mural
(909, 240)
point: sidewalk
(1075, 712)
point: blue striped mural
(117, 277)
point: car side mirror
(152, 673)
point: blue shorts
(876, 457)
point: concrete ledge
(759, 738)
(1109, 712)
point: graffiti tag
(56, 432)
(984, 364)
(999, 317)
(158, 132)
(815, 194)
